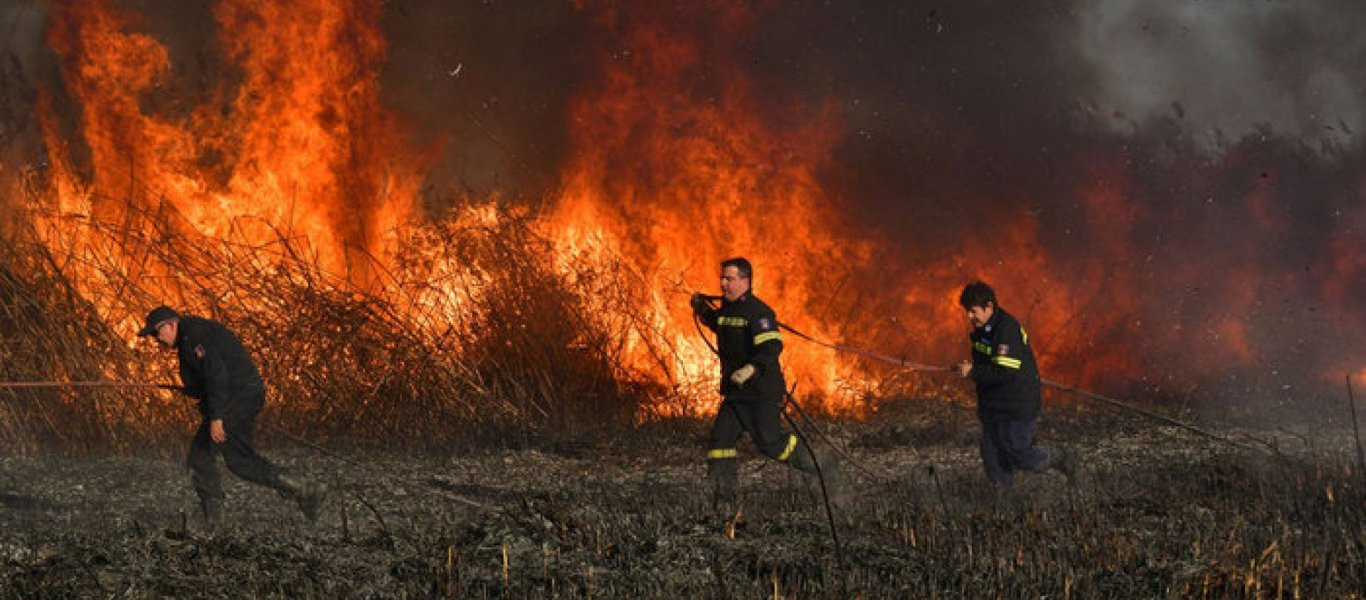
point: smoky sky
(997, 88)
(1230, 66)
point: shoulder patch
(1003, 349)
(199, 351)
(765, 324)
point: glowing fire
(677, 178)
(679, 155)
(298, 147)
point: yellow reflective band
(983, 348)
(1007, 362)
(721, 453)
(732, 321)
(1024, 334)
(766, 337)
(791, 445)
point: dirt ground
(1161, 512)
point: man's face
(979, 315)
(732, 284)
(166, 332)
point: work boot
(724, 474)
(308, 496)
(1062, 460)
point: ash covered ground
(1161, 512)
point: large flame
(297, 145)
(677, 162)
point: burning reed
(475, 339)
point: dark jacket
(1004, 370)
(216, 369)
(747, 334)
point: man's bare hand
(964, 368)
(217, 432)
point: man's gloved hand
(742, 374)
(699, 303)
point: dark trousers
(1008, 446)
(237, 452)
(761, 418)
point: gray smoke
(1224, 68)
(21, 44)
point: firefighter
(1008, 392)
(752, 388)
(216, 370)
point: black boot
(308, 496)
(1062, 460)
(724, 474)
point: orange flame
(680, 155)
(298, 147)
(677, 163)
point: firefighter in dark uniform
(752, 387)
(1008, 392)
(216, 370)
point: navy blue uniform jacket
(747, 334)
(216, 369)
(1004, 370)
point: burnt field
(1161, 512)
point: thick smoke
(1191, 173)
(21, 27)
(1225, 68)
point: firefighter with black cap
(752, 386)
(216, 370)
(1008, 392)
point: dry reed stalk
(475, 337)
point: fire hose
(914, 366)
(1044, 381)
(7, 385)
(267, 425)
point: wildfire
(677, 163)
(680, 154)
(298, 147)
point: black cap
(159, 315)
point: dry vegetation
(476, 339)
(514, 465)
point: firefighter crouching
(1008, 393)
(752, 388)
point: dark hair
(977, 294)
(741, 264)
